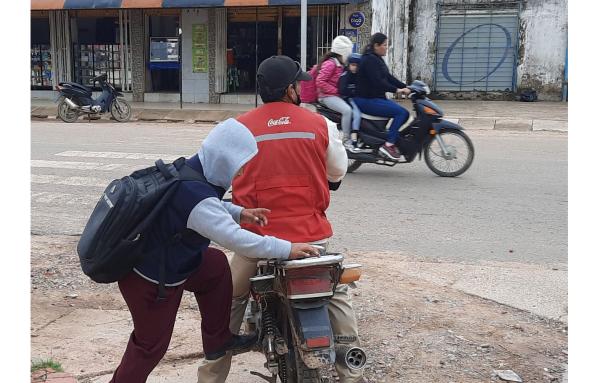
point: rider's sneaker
(349, 147)
(390, 151)
(238, 344)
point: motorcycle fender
(444, 124)
(313, 323)
(119, 94)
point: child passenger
(347, 87)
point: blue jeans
(355, 115)
(384, 108)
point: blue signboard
(357, 19)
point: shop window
(41, 57)
(97, 50)
(163, 61)
(243, 56)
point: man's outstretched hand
(303, 250)
(256, 216)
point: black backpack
(112, 242)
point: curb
(213, 116)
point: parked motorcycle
(447, 149)
(288, 310)
(75, 99)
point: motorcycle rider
(300, 156)
(374, 80)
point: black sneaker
(390, 151)
(238, 344)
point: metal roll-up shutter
(476, 48)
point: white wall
(543, 43)
(421, 54)
(544, 35)
(390, 18)
(195, 85)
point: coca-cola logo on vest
(279, 121)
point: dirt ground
(413, 330)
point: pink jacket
(327, 79)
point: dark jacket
(348, 84)
(374, 78)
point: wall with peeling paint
(390, 18)
(542, 49)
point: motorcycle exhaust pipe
(354, 357)
(71, 104)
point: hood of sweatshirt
(227, 148)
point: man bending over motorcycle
(300, 157)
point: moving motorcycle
(447, 149)
(76, 99)
(288, 310)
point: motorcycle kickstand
(272, 379)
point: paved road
(511, 204)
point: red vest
(289, 173)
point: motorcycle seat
(373, 118)
(76, 85)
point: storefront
(163, 50)
(146, 46)
(100, 46)
(254, 34)
(41, 56)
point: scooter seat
(373, 118)
(76, 85)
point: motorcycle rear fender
(311, 322)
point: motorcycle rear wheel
(120, 110)
(462, 157)
(296, 370)
(65, 112)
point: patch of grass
(48, 363)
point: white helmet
(342, 45)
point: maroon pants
(153, 320)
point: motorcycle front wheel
(120, 110)
(457, 158)
(65, 112)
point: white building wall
(390, 18)
(544, 27)
(195, 85)
(421, 46)
(542, 43)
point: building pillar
(213, 97)
(138, 57)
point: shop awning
(112, 4)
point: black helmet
(354, 58)
(277, 72)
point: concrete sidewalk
(472, 115)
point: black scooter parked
(76, 99)
(448, 150)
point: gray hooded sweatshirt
(198, 206)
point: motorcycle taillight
(309, 282)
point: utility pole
(303, 29)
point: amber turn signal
(432, 132)
(351, 274)
(429, 110)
